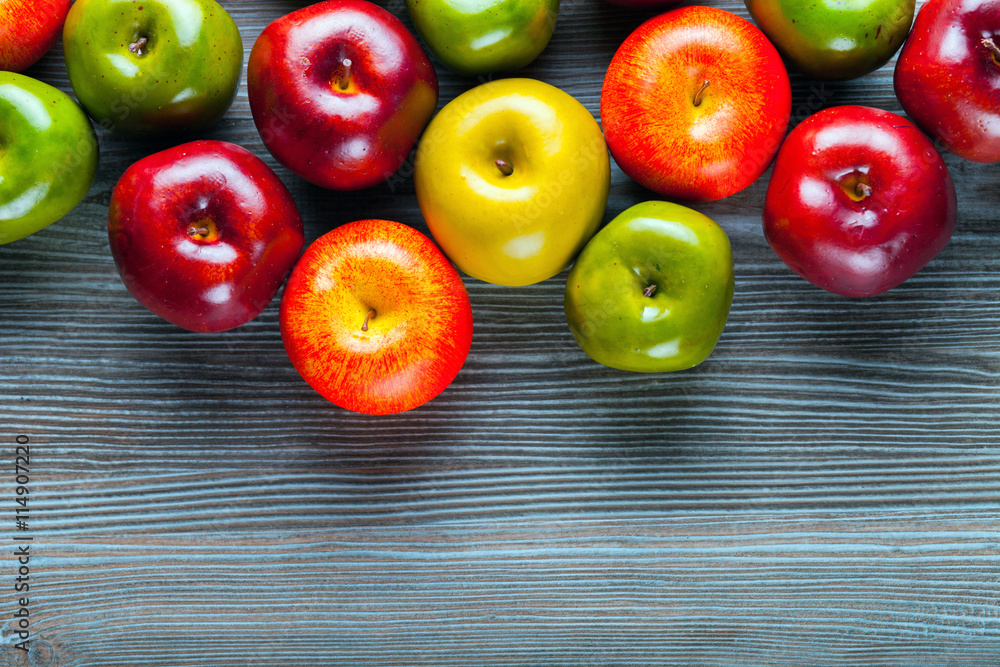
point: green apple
(652, 290)
(512, 178)
(835, 39)
(474, 37)
(153, 66)
(48, 155)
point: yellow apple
(512, 178)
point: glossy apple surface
(375, 318)
(948, 76)
(28, 29)
(859, 201)
(154, 66)
(340, 92)
(48, 155)
(203, 234)
(835, 40)
(512, 178)
(651, 292)
(475, 37)
(695, 104)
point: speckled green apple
(153, 66)
(48, 155)
(835, 39)
(652, 290)
(474, 37)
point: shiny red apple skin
(340, 139)
(375, 318)
(28, 29)
(204, 282)
(858, 240)
(678, 137)
(947, 76)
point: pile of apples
(512, 177)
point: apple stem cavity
(649, 290)
(138, 45)
(993, 48)
(505, 167)
(698, 99)
(370, 316)
(345, 77)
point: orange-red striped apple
(28, 29)
(695, 104)
(375, 318)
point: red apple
(695, 104)
(203, 234)
(28, 29)
(859, 201)
(340, 91)
(375, 318)
(948, 76)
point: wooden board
(824, 490)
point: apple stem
(649, 290)
(345, 78)
(863, 190)
(370, 316)
(993, 48)
(505, 167)
(701, 91)
(197, 231)
(138, 45)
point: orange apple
(375, 318)
(695, 104)
(28, 29)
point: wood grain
(823, 490)
(736, 588)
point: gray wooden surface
(823, 490)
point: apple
(835, 40)
(155, 66)
(203, 234)
(651, 292)
(474, 37)
(948, 76)
(28, 29)
(375, 318)
(340, 92)
(512, 178)
(695, 104)
(48, 155)
(859, 201)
